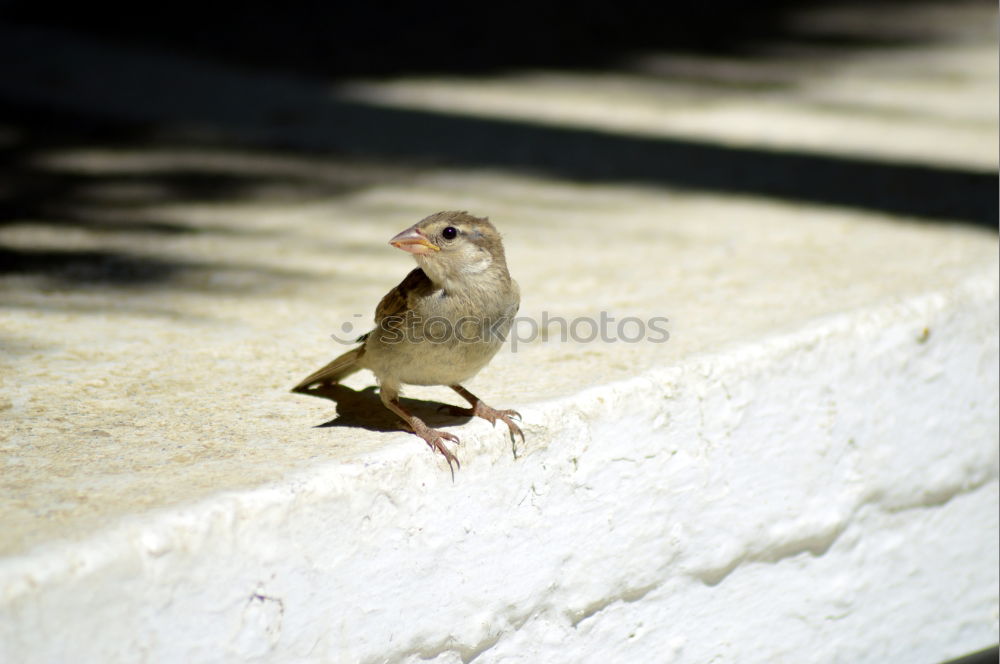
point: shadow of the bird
(363, 409)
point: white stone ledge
(828, 494)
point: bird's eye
(449, 233)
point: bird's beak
(414, 242)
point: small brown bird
(442, 324)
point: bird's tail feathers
(335, 371)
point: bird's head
(452, 247)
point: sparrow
(441, 325)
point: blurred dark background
(391, 38)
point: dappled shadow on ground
(341, 128)
(282, 101)
(304, 114)
(86, 203)
(93, 267)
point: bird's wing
(391, 310)
(389, 314)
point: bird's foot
(489, 414)
(434, 439)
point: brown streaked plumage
(442, 324)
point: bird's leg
(491, 415)
(432, 437)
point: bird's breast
(445, 338)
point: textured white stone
(831, 491)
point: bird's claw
(512, 413)
(433, 438)
(514, 429)
(489, 414)
(506, 416)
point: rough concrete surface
(808, 464)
